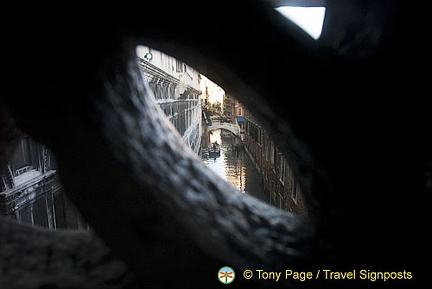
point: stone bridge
(234, 128)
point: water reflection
(234, 166)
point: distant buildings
(238, 115)
(235, 112)
(228, 107)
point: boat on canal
(214, 150)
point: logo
(226, 275)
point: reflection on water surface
(234, 166)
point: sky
(310, 19)
(216, 92)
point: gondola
(214, 150)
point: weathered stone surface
(361, 155)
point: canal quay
(216, 126)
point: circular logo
(226, 275)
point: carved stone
(360, 152)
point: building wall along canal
(273, 168)
(176, 87)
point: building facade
(228, 107)
(31, 191)
(177, 89)
(238, 115)
(235, 112)
(274, 170)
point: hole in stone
(221, 130)
(202, 112)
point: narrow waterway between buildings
(234, 166)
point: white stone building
(177, 88)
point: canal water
(235, 166)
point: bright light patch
(310, 19)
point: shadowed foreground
(361, 154)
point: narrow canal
(235, 166)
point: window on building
(179, 66)
(239, 111)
